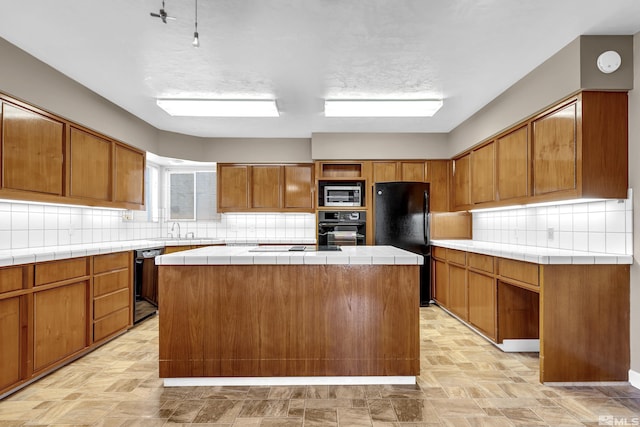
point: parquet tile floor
(465, 381)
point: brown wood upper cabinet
(265, 188)
(575, 149)
(233, 187)
(483, 174)
(512, 164)
(401, 170)
(33, 151)
(462, 182)
(90, 166)
(580, 149)
(438, 178)
(46, 158)
(298, 187)
(129, 175)
(266, 185)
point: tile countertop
(534, 254)
(50, 253)
(235, 255)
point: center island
(269, 316)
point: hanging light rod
(196, 38)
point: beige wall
(634, 183)
(568, 71)
(249, 150)
(24, 77)
(327, 146)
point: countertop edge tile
(538, 255)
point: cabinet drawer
(440, 253)
(109, 282)
(457, 257)
(111, 302)
(518, 270)
(57, 271)
(108, 262)
(110, 324)
(481, 262)
(11, 278)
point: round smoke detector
(609, 61)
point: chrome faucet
(173, 227)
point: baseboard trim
(634, 378)
(520, 345)
(278, 381)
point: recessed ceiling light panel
(220, 107)
(382, 108)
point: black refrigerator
(401, 219)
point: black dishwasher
(145, 287)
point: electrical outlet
(551, 232)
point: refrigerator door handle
(426, 218)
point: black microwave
(342, 195)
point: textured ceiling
(303, 51)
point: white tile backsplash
(25, 225)
(600, 226)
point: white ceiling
(303, 51)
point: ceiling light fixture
(196, 39)
(220, 107)
(381, 108)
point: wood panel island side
(231, 315)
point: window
(191, 195)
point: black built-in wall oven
(342, 228)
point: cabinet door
(482, 303)
(438, 177)
(129, 175)
(461, 190)
(385, 171)
(298, 187)
(10, 342)
(59, 323)
(233, 187)
(440, 282)
(32, 151)
(513, 164)
(412, 171)
(458, 291)
(265, 187)
(90, 166)
(483, 174)
(554, 151)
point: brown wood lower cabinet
(584, 320)
(53, 312)
(11, 343)
(59, 323)
(277, 320)
(580, 313)
(458, 290)
(440, 282)
(112, 294)
(482, 303)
